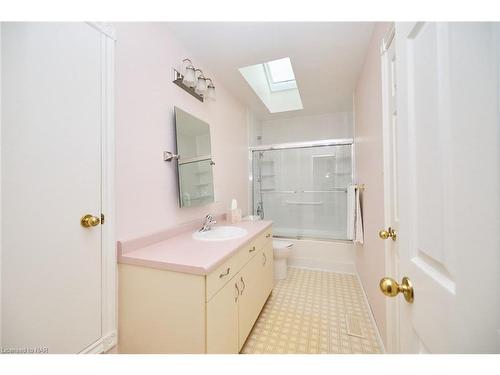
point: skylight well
(274, 83)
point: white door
(51, 177)
(448, 141)
(391, 214)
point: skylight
(274, 83)
(281, 70)
(280, 74)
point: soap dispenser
(234, 213)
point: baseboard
(372, 317)
(102, 345)
(322, 265)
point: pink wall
(146, 186)
(370, 258)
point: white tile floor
(309, 312)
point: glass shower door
(303, 190)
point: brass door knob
(391, 288)
(88, 221)
(385, 234)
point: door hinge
(102, 219)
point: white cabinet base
(164, 311)
(160, 311)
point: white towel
(354, 217)
(351, 212)
(358, 238)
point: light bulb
(185, 64)
(201, 87)
(189, 77)
(210, 92)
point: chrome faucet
(209, 220)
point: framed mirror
(195, 163)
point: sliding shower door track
(306, 238)
(291, 145)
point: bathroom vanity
(178, 294)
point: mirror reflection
(195, 160)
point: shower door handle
(305, 203)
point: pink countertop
(176, 249)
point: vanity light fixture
(193, 81)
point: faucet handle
(209, 219)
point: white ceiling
(326, 57)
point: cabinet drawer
(225, 272)
(263, 238)
(250, 250)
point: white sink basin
(222, 233)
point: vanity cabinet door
(222, 320)
(251, 284)
(268, 269)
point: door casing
(391, 264)
(109, 262)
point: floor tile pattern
(308, 312)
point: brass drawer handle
(268, 235)
(265, 259)
(252, 249)
(237, 292)
(243, 287)
(225, 273)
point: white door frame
(109, 265)
(0, 184)
(109, 328)
(391, 266)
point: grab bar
(304, 203)
(279, 191)
(336, 190)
